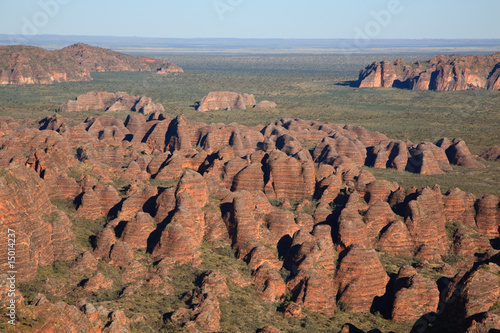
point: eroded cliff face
(20, 65)
(441, 73)
(314, 229)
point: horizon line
(249, 38)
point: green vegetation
(308, 208)
(50, 276)
(495, 306)
(52, 218)
(343, 306)
(453, 258)
(476, 181)
(451, 228)
(164, 183)
(83, 228)
(252, 314)
(392, 263)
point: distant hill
(20, 64)
(441, 73)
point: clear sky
(254, 18)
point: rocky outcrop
(459, 154)
(470, 299)
(488, 215)
(21, 65)
(310, 260)
(289, 177)
(396, 239)
(266, 105)
(428, 159)
(254, 221)
(183, 235)
(441, 73)
(391, 154)
(425, 220)
(98, 201)
(492, 154)
(111, 102)
(41, 232)
(269, 284)
(226, 100)
(414, 296)
(138, 230)
(83, 317)
(459, 207)
(351, 228)
(361, 278)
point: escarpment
(441, 73)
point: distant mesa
(441, 73)
(20, 65)
(227, 100)
(111, 102)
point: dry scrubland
(304, 86)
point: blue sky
(254, 18)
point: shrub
(343, 306)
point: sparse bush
(276, 202)
(495, 306)
(285, 273)
(343, 306)
(451, 228)
(452, 259)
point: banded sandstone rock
(487, 216)
(289, 177)
(459, 154)
(42, 238)
(414, 296)
(426, 220)
(183, 235)
(361, 278)
(226, 100)
(111, 102)
(441, 73)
